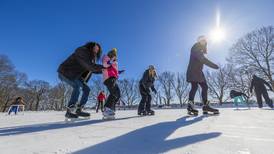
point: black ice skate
(81, 113)
(207, 109)
(142, 113)
(191, 110)
(150, 112)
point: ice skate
(207, 109)
(191, 110)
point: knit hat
(113, 52)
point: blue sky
(38, 35)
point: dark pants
(100, 105)
(194, 88)
(14, 109)
(259, 94)
(145, 103)
(76, 85)
(114, 93)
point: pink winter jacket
(110, 71)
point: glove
(154, 90)
(121, 71)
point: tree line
(252, 53)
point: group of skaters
(78, 68)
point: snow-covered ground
(169, 131)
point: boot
(150, 112)
(190, 108)
(71, 112)
(207, 108)
(81, 113)
(270, 104)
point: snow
(169, 131)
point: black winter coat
(147, 81)
(259, 84)
(81, 64)
(196, 64)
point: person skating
(76, 70)
(15, 105)
(196, 77)
(110, 76)
(145, 84)
(101, 98)
(260, 90)
(239, 96)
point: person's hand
(216, 67)
(121, 71)
(155, 91)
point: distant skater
(260, 90)
(146, 84)
(100, 104)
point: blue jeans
(76, 85)
(13, 109)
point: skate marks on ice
(17, 130)
(151, 139)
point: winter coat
(101, 97)
(196, 64)
(81, 64)
(259, 84)
(112, 68)
(147, 81)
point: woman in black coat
(145, 84)
(196, 76)
(76, 70)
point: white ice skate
(108, 114)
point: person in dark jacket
(145, 84)
(196, 76)
(16, 104)
(76, 71)
(101, 98)
(260, 90)
(239, 96)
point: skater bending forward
(147, 83)
(76, 70)
(110, 76)
(260, 90)
(196, 77)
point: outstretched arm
(200, 56)
(267, 84)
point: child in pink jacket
(110, 76)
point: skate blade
(76, 119)
(193, 113)
(211, 113)
(109, 118)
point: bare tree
(218, 83)
(38, 89)
(129, 91)
(240, 79)
(180, 86)
(166, 79)
(255, 52)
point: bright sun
(217, 34)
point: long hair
(90, 46)
(152, 73)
